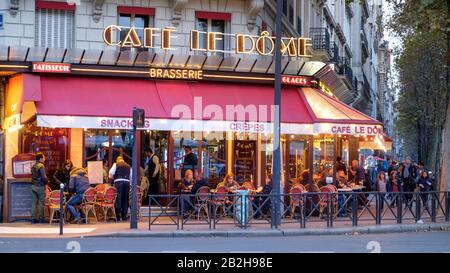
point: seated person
(325, 174)
(78, 184)
(341, 180)
(229, 183)
(304, 178)
(261, 197)
(187, 182)
(187, 201)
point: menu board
(53, 142)
(95, 172)
(19, 200)
(244, 160)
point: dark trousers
(37, 197)
(154, 185)
(122, 201)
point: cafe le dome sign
(162, 38)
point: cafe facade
(215, 96)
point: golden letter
(261, 44)
(303, 44)
(290, 47)
(166, 36)
(132, 39)
(108, 33)
(149, 33)
(212, 38)
(240, 43)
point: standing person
(121, 173)
(383, 187)
(190, 161)
(62, 175)
(38, 181)
(152, 171)
(78, 184)
(372, 169)
(393, 180)
(424, 184)
(408, 175)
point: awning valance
(84, 102)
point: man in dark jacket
(78, 184)
(122, 174)
(190, 161)
(38, 181)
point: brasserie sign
(162, 38)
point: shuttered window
(54, 28)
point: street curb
(279, 232)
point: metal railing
(344, 68)
(320, 39)
(313, 209)
(334, 50)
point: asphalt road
(395, 242)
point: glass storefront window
(52, 142)
(107, 145)
(122, 145)
(245, 157)
(323, 154)
(297, 156)
(96, 145)
(182, 139)
(213, 160)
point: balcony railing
(344, 68)
(334, 50)
(364, 42)
(320, 39)
(366, 83)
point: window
(291, 14)
(139, 22)
(54, 28)
(107, 145)
(211, 25)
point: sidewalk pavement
(122, 230)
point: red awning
(82, 99)
(80, 96)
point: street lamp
(276, 217)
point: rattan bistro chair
(54, 203)
(295, 199)
(202, 198)
(89, 202)
(108, 202)
(220, 199)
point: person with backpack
(38, 182)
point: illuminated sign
(186, 74)
(51, 67)
(356, 129)
(150, 37)
(296, 80)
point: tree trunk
(444, 170)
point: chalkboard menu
(53, 142)
(19, 196)
(244, 160)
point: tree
(429, 16)
(422, 85)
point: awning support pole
(276, 216)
